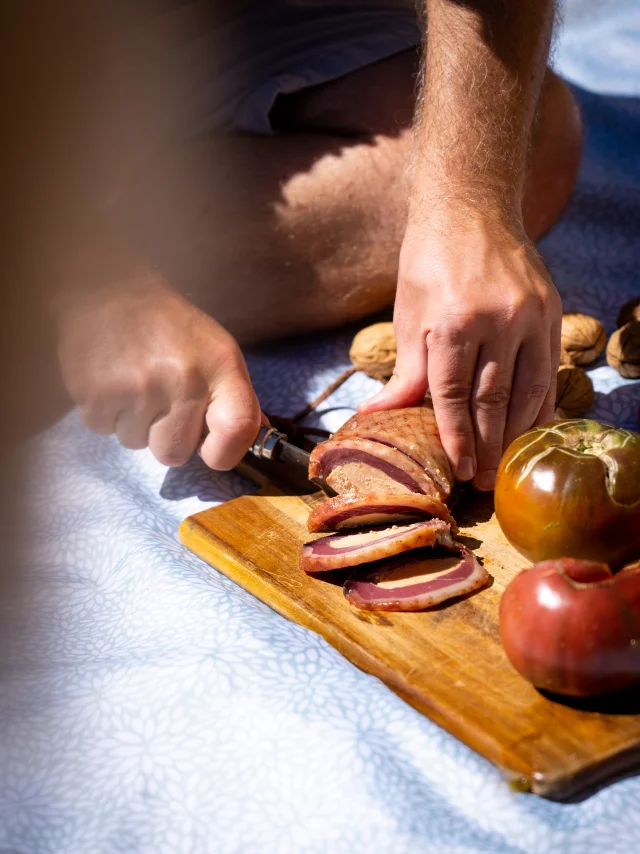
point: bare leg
(301, 231)
(556, 148)
(281, 235)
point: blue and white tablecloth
(173, 713)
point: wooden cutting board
(446, 662)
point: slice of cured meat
(398, 451)
(354, 510)
(416, 581)
(361, 465)
(344, 550)
(413, 431)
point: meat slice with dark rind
(345, 550)
(413, 431)
(360, 465)
(355, 510)
(417, 581)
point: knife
(270, 444)
(273, 459)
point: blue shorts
(236, 70)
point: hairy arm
(477, 316)
(484, 68)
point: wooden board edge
(586, 781)
(194, 535)
(569, 784)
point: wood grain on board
(447, 662)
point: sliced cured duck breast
(361, 465)
(413, 431)
(354, 510)
(344, 550)
(416, 581)
(398, 451)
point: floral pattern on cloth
(158, 708)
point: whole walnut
(623, 350)
(574, 392)
(629, 311)
(583, 338)
(374, 350)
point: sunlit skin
(572, 489)
(177, 249)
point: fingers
(548, 408)
(489, 406)
(174, 438)
(408, 385)
(511, 396)
(531, 387)
(534, 387)
(143, 362)
(132, 429)
(125, 405)
(167, 413)
(233, 419)
(136, 417)
(100, 421)
(452, 364)
(100, 414)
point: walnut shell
(623, 350)
(629, 311)
(374, 350)
(574, 392)
(583, 338)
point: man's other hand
(144, 363)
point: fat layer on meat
(355, 510)
(413, 431)
(345, 550)
(417, 581)
(362, 465)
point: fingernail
(466, 469)
(485, 481)
(374, 399)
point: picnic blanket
(158, 708)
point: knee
(556, 149)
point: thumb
(233, 419)
(409, 382)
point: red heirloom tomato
(572, 489)
(572, 627)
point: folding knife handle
(266, 442)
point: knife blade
(270, 444)
(288, 453)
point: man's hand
(477, 317)
(477, 321)
(144, 363)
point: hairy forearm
(484, 66)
